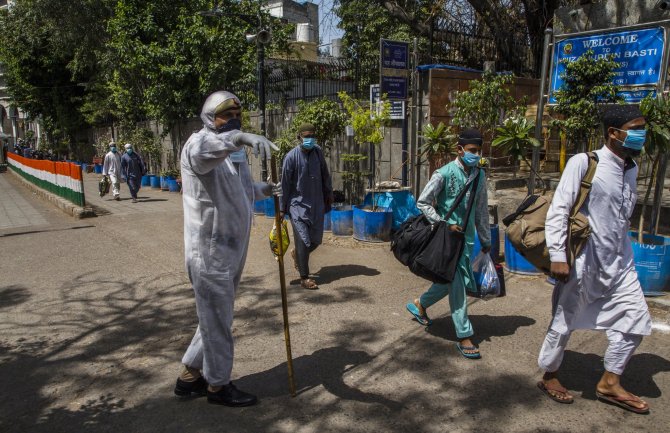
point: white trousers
(619, 351)
(211, 349)
(116, 185)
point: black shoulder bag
(438, 259)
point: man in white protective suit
(218, 196)
(601, 291)
(111, 167)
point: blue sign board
(395, 55)
(397, 109)
(638, 52)
(394, 87)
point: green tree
(656, 111)
(327, 117)
(485, 104)
(587, 84)
(49, 51)
(368, 124)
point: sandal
(309, 284)
(623, 402)
(548, 390)
(421, 318)
(475, 349)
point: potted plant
(439, 143)
(515, 138)
(370, 223)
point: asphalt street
(96, 313)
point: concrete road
(95, 315)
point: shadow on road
(325, 367)
(485, 326)
(13, 295)
(329, 274)
(581, 372)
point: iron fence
(287, 82)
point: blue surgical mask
(635, 138)
(113, 149)
(129, 151)
(471, 159)
(308, 143)
(240, 156)
(230, 125)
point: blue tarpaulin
(401, 202)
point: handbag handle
(460, 196)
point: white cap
(128, 146)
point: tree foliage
(485, 104)
(587, 84)
(49, 50)
(86, 62)
(509, 23)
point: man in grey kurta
(307, 195)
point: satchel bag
(410, 238)
(526, 226)
(438, 259)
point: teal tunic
(455, 179)
(435, 201)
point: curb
(68, 207)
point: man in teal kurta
(436, 199)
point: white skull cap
(128, 146)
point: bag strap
(471, 200)
(461, 194)
(584, 190)
(585, 186)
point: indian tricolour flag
(61, 178)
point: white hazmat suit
(218, 197)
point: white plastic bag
(486, 277)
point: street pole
(535, 163)
(261, 100)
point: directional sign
(397, 109)
(638, 52)
(394, 87)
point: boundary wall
(63, 179)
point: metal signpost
(394, 82)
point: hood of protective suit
(210, 105)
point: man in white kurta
(111, 167)
(218, 197)
(601, 291)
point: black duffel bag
(408, 240)
(433, 251)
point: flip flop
(414, 310)
(462, 349)
(621, 402)
(545, 389)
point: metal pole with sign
(393, 82)
(535, 163)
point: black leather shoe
(229, 395)
(197, 388)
